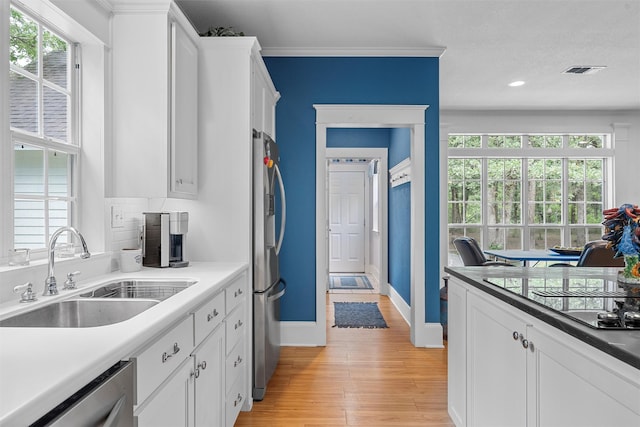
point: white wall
(90, 14)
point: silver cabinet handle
(525, 343)
(166, 356)
(237, 361)
(212, 315)
(238, 399)
(516, 335)
(202, 365)
(237, 293)
(237, 325)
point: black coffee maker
(164, 239)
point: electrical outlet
(117, 217)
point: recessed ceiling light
(516, 83)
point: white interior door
(346, 221)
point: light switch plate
(117, 217)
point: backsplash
(124, 226)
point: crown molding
(429, 52)
(135, 6)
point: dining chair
(471, 254)
(596, 254)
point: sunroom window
(526, 191)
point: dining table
(534, 255)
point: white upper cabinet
(155, 102)
(184, 113)
(264, 98)
(236, 95)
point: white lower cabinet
(172, 404)
(209, 373)
(571, 386)
(235, 399)
(201, 384)
(496, 363)
(507, 368)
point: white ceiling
(489, 43)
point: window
(527, 191)
(375, 196)
(42, 119)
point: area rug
(349, 281)
(358, 315)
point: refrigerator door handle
(283, 218)
(280, 292)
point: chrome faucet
(50, 285)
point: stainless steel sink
(139, 288)
(79, 313)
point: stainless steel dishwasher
(106, 401)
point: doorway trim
(373, 116)
(369, 153)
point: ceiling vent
(584, 69)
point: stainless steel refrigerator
(268, 286)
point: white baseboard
(373, 270)
(309, 334)
(429, 335)
(426, 334)
(301, 334)
(401, 305)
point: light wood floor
(363, 377)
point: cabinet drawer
(208, 317)
(235, 292)
(157, 362)
(235, 325)
(235, 400)
(236, 361)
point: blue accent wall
(304, 81)
(358, 138)
(400, 219)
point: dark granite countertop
(621, 344)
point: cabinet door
(571, 389)
(184, 114)
(457, 351)
(263, 98)
(496, 365)
(172, 404)
(210, 388)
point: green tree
(23, 40)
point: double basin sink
(106, 304)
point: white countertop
(40, 367)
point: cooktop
(597, 303)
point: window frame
(565, 153)
(73, 145)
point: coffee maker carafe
(164, 239)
